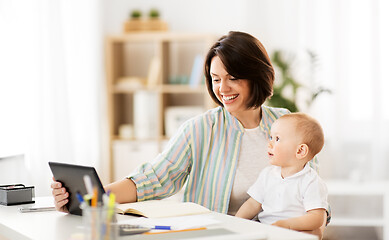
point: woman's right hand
(60, 196)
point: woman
(219, 153)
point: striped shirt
(204, 153)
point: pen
(111, 212)
(158, 227)
(80, 199)
(111, 202)
(105, 199)
(111, 206)
(88, 184)
(36, 209)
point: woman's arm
(166, 174)
(124, 190)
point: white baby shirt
(293, 196)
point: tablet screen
(72, 178)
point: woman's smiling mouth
(229, 98)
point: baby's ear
(302, 151)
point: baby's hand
(282, 223)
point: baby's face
(283, 143)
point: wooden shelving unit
(131, 56)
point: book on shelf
(130, 82)
(154, 74)
(161, 208)
(145, 115)
(197, 75)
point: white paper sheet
(176, 223)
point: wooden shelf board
(119, 139)
(170, 88)
(162, 89)
(129, 89)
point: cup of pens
(99, 218)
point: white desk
(54, 225)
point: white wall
(275, 23)
(13, 171)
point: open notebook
(161, 208)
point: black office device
(72, 178)
(16, 194)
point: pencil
(94, 198)
(172, 231)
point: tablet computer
(72, 178)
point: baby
(290, 193)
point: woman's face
(233, 93)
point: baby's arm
(312, 220)
(249, 209)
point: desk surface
(61, 226)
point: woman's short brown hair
(244, 57)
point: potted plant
(135, 14)
(286, 87)
(152, 23)
(154, 13)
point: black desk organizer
(16, 194)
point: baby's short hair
(310, 130)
